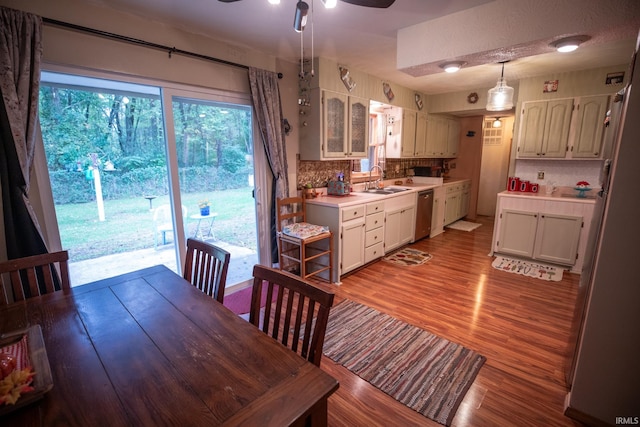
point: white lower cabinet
(553, 231)
(457, 196)
(437, 218)
(400, 219)
(352, 234)
(358, 233)
(540, 236)
(374, 232)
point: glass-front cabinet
(334, 126)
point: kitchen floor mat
(528, 268)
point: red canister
(525, 186)
(514, 184)
(534, 187)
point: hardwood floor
(520, 324)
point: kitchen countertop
(357, 197)
(562, 194)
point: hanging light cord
(313, 71)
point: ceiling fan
(366, 3)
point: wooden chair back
(31, 276)
(206, 267)
(296, 312)
(290, 210)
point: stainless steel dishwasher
(423, 214)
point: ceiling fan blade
(228, 1)
(371, 3)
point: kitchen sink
(389, 190)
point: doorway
(129, 164)
(496, 149)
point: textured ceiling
(367, 39)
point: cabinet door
(437, 221)
(451, 208)
(517, 233)
(532, 129)
(589, 129)
(421, 136)
(465, 197)
(392, 230)
(557, 238)
(407, 225)
(408, 133)
(358, 134)
(352, 247)
(334, 133)
(437, 132)
(453, 138)
(556, 129)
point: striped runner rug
(423, 371)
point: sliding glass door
(213, 137)
(130, 165)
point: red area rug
(240, 302)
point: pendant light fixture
(497, 123)
(300, 18)
(500, 97)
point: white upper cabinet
(544, 129)
(443, 137)
(334, 126)
(563, 128)
(589, 130)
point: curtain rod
(169, 49)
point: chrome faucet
(377, 180)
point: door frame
(40, 192)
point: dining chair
(296, 311)
(206, 267)
(27, 277)
(307, 246)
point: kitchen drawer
(373, 252)
(453, 188)
(373, 237)
(352, 212)
(374, 221)
(375, 207)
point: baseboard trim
(580, 416)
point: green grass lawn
(128, 223)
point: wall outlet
(540, 174)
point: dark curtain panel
(266, 104)
(20, 56)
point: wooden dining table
(148, 349)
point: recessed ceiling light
(569, 44)
(452, 67)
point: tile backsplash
(561, 172)
(318, 173)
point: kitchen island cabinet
(540, 236)
(548, 228)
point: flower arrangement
(204, 207)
